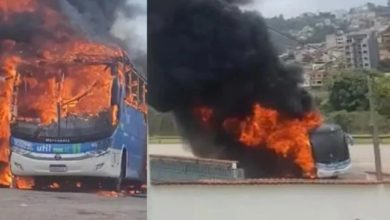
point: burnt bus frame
(114, 71)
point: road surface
(272, 201)
(36, 205)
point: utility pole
(374, 126)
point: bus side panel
(131, 135)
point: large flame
(8, 75)
(48, 65)
(267, 128)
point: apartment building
(361, 50)
(335, 41)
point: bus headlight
(101, 148)
(20, 146)
(104, 145)
(97, 153)
(20, 151)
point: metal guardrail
(178, 169)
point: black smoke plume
(209, 52)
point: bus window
(143, 106)
(134, 88)
(141, 97)
(127, 84)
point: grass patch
(369, 141)
(165, 140)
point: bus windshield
(68, 104)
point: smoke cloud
(120, 21)
(130, 27)
(211, 53)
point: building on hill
(362, 50)
(335, 41)
(315, 75)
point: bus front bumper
(105, 165)
(334, 169)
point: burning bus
(330, 146)
(72, 103)
(214, 67)
(61, 127)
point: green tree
(348, 91)
(161, 123)
(382, 90)
(357, 122)
(384, 65)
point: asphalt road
(36, 205)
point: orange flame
(287, 137)
(8, 75)
(108, 194)
(25, 183)
(5, 175)
(204, 113)
(54, 185)
(114, 114)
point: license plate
(58, 168)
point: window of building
(365, 51)
(364, 45)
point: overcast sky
(291, 8)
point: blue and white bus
(110, 144)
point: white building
(335, 41)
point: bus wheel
(122, 175)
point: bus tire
(122, 174)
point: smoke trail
(130, 27)
(121, 21)
(211, 53)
